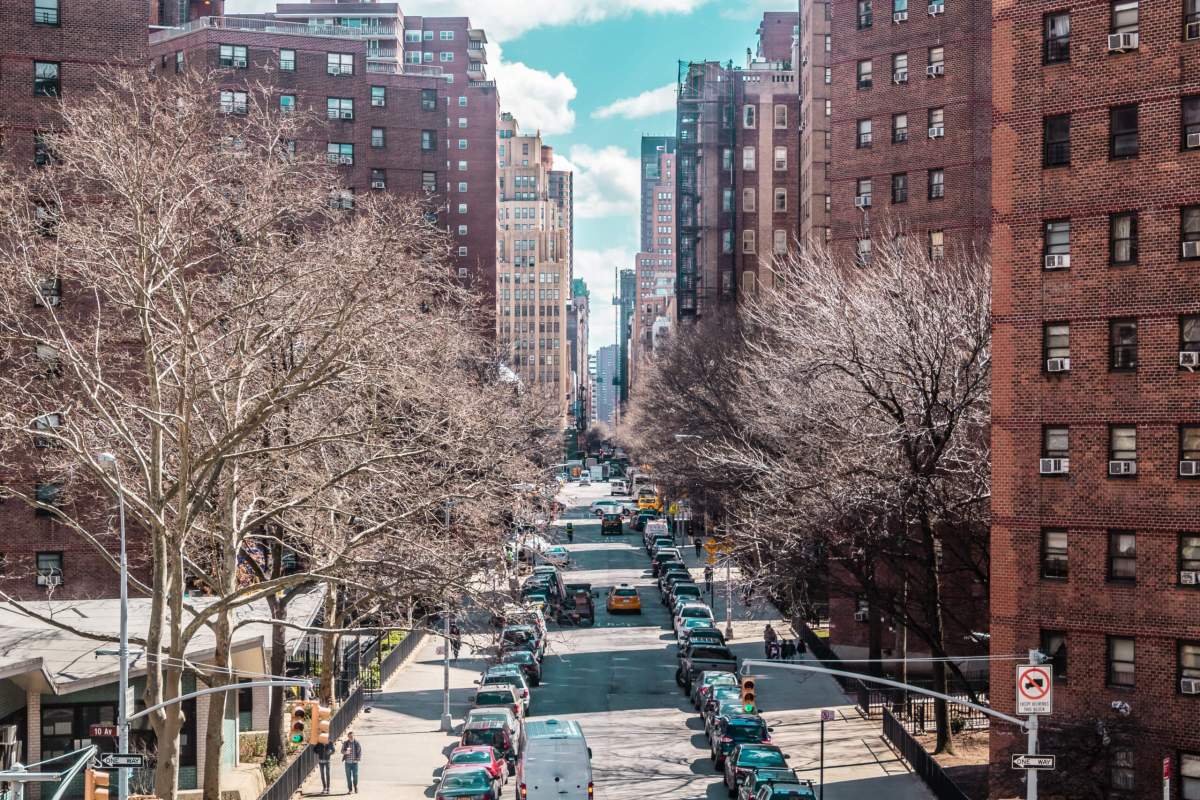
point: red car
(479, 756)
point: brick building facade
(813, 79)
(1096, 429)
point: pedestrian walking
(324, 755)
(351, 755)
(708, 578)
(789, 649)
(699, 545)
(455, 638)
(770, 639)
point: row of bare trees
(838, 428)
(295, 391)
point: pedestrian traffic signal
(318, 733)
(300, 722)
(95, 784)
(749, 702)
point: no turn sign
(1035, 689)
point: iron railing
(921, 762)
(256, 25)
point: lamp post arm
(229, 687)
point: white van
(556, 764)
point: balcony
(257, 26)
(383, 53)
(476, 52)
(477, 35)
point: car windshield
(695, 611)
(725, 692)
(716, 653)
(508, 680)
(626, 592)
(473, 779)
(745, 730)
(493, 698)
(720, 677)
(760, 757)
(471, 757)
(729, 709)
(517, 635)
(696, 622)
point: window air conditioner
(936, 8)
(1189, 469)
(1060, 261)
(1189, 685)
(347, 115)
(861, 616)
(1193, 141)
(377, 102)
(899, 16)
(935, 70)
(900, 76)
(1191, 30)
(49, 580)
(862, 201)
(1189, 578)
(345, 159)
(1189, 359)
(378, 185)
(1058, 365)
(1120, 42)
(240, 63)
(937, 131)
(1054, 466)
(1191, 249)
(1122, 468)
(49, 300)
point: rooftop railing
(258, 26)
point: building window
(287, 102)
(428, 99)
(49, 568)
(429, 181)
(233, 102)
(378, 179)
(1189, 559)
(1189, 334)
(937, 184)
(780, 116)
(462, 208)
(1123, 239)
(748, 200)
(287, 60)
(865, 80)
(781, 159)
(862, 250)
(462, 250)
(1054, 647)
(1122, 344)
(340, 153)
(863, 139)
(179, 61)
(865, 14)
(462, 144)
(1122, 446)
(1190, 231)
(1121, 772)
(1123, 131)
(427, 58)
(1056, 138)
(1189, 776)
(781, 246)
(937, 245)
(1056, 442)
(339, 63)
(339, 108)
(46, 81)
(1124, 16)
(828, 42)
(781, 199)
(865, 190)
(726, 241)
(43, 156)
(378, 96)
(462, 102)
(900, 187)
(899, 128)
(462, 123)
(428, 140)
(828, 76)
(231, 55)
(1190, 116)
(1054, 554)
(1057, 37)
(748, 115)
(937, 122)
(748, 158)
(446, 36)
(900, 68)
(1056, 242)
(377, 137)
(747, 241)
(1056, 340)
(1120, 662)
(726, 200)
(828, 108)
(1122, 556)
(937, 61)
(45, 12)
(446, 56)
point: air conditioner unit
(1191, 30)
(862, 201)
(935, 70)
(937, 131)
(377, 102)
(899, 16)
(1189, 359)
(1054, 466)
(1189, 469)
(1122, 468)
(1189, 578)
(1120, 42)
(1058, 365)
(49, 300)
(347, 115)
(345, 159)
(239, 63)
(1189, 685)
(937, 8)
(1059, 261)
(900, 76)
(49, 580)
(1191, 249)
(378, 184)
(861, 616)
(1193, 141)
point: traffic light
(749, 704)
(300, 722)
(319, 732)
(95, 784)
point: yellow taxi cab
(624, 598)
(649, 499)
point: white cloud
(646, 104)
(539, 100)
(607, 182)
(599, 269)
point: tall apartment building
(607, 374)
(814, 77)
(911, 120)
(626, 300)
(654, 268)
(533, 254)
(737, 168)
(653, 148)
(1096, 431)
(578, 322)
(172, 12)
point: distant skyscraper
(608, 370)
(653, 147)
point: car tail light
(524, 791)
(591, 789)
(726, 739)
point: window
(863, 139)
(828, 76)
(429, 181)
(937, 245)
(1190, 231)
(900, 187)
(462, 102)
(865, 80)
(1056, 442)
(937, 184)
(340, 153)
(428, 140)
(1189, 558)
(1122, 344)
(726, 200)
(234, 102)
(377, 137)
(427, 58)
(1189, 776)
(900, 68)
(828, 41)
(445, 56)
(462, 144)
(780, 199)
(899, 6)
(45, 12)
(429, 99)
(412, 36)
(379, 97)
(829, 108)
(446, 36)
(42, 154)
(748, 115)
(339, 108)
(937, 60)
(49, 564)
(1189, 334)
(1120, 662)
(865, 15)
(865, 188)
(1057, 37)
(781, 159)
(1124, 16)
(1056, 340)
(748, 241)
(1122, 556)
(378, 179)
(1122, 443)
(287, 60)
(287, 102)
(46, 79)
(748, 200)
(1123, 131)
(726, 241)
(780, 116)
(937, 122)
(1123, 238)
(747, 158)
(1054, 554)
(339, 63)
(462, 123)
(1121, 772)
(1190, 118)
(1057, 239)
(780, 242)
(1189, 443)
(1054, 647)
(899, 128)
(462, 208)
(1056, 139)
(863, 251)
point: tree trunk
(276, 748)
(167, 725)
(214, 735)
(875, 641)
(329, 648)
(937, 631)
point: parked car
(619, 486)
(692, 611)
(703, 684)
(720, 707)
(522, 637)
(663, 556)
(730, 731)
(504, 696)
(700, 636)
(683, 591)
(528, 663)
(508, 675)
(483, 755)
(605, 506)
(775, 784)
(511, 721)
(493, 733)
(745, 758)
(673, 574)
(611, 524)
(467, 781)
(557, 556)
(711, 703)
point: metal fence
(917, 710)
(921, 762)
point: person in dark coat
(324, 755)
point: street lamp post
(123, 647)
(728, 599)
(447, 720)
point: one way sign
(116, 760)
(1024, 761)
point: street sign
(1024, 761)
(828, 715)
(1034, 689)
(115, 760)
(1167, 778)
(100, 731)
(713, 546)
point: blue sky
(585, 73)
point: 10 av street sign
(1023, 761)
(115, 760)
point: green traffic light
(749, 708)
(297, 738)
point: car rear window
(471, 757)
(690, 590)
(493, 698)
(757, 757)
(712, 653)
(475, 779)
(745, 730)
(626, 592)
(724, 691)
(695, 611)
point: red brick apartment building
(911, 120)
(1096, 427)
(814, 77)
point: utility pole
(123, 647)
(1031, 775)
(728, 599)
(447, 720)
